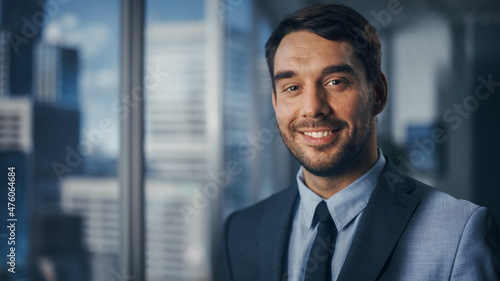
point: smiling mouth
(318, 135)
(321, 136)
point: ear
(380, 91)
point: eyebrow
(283, 75)
(338, 68)
(327, 70)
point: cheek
(353, 110)
(283, 116)
(362, 113)
(343, 108)
(283, 123)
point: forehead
(306, 50)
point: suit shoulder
(242, 226)
(253, 213)
(442, 206)
(428, 196)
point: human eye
(292, 89)
(335, 82)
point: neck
(326, 187)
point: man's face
(323, 102)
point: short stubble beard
(348, 151)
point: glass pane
(175, 140)
(187, 195)
(251, 136)
(59, 128)
(240, 146)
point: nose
(315, 103)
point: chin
(331, 169)
(331, 161)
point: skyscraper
(39, 121)
(22, 30)
(174, 250)
(16, 121)
(15, 153)
(55, 101)
(56, 75)
(176, 141)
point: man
(350, 215)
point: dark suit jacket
(409, 231)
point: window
(59, 78)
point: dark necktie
(319, 262)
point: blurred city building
(40, 119)
(15, 151)
(16, 123)
(251, 136)
(56, 122)
(178, 132)
(56, 75)
(176, 141)
(175, 250)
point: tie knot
(321, 214)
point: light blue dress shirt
(346, 208)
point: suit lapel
(275, 234)
(384, 219)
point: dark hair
(333, 22)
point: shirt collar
(345, 205)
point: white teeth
(318, 135)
